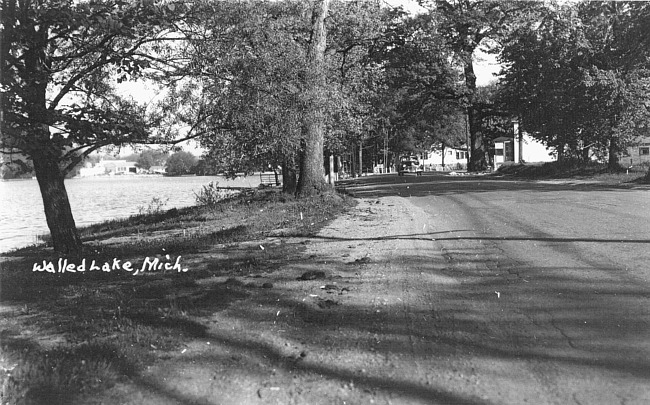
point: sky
(485, 68)
(409, 5)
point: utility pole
(360, 157)
(469, 149)
(518, 138)
(385, 148)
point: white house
(90, 170)
(530, 150)
(108, 167)
(638, 153)
(440, 159)
(521, 148)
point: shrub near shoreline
(104, 327)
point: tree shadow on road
(432, 236)
(452, 327)
(570, 324)
(439, 184)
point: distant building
(504, 150)
(157, 170)
(90, 170)
(119, 167)
(638, 153)
(529, 150)
(521, 148)
(109, 168)
(447, 158)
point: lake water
(95, 199)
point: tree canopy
(180, 163)
(577, 76)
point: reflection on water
(95, 199)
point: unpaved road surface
(436, 290)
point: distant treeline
(18, 166)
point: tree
(271, 104)
(616, 73)
(181, 163)
(150, 157)
(577, 78)
(358, 116)
(240, 95)
(248, 92)
(58, 102)
(494, 119)
(468, 25)
(312, 175)
(422, 87)
(540, 85)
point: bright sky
(409, 5)
(485, 68)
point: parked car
(410, 164)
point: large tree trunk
(289, 178)
(613, 158)
(46, 155)
(312, 173)
(477, 161)
(360, 158)
(584, 154)
(58, 213)
(561, 155)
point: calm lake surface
(95, 199)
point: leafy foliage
(154, 207)
(181, 163)
(466, 26)
(151, 157)
(577, 78)
(211, 195)
(16, 166)
(58, 60)
(246, 95)
(421, 85)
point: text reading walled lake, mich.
(148, 264)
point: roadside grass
(599, 172)
(66, 334)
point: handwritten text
(148, 265)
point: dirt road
(433, 292)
